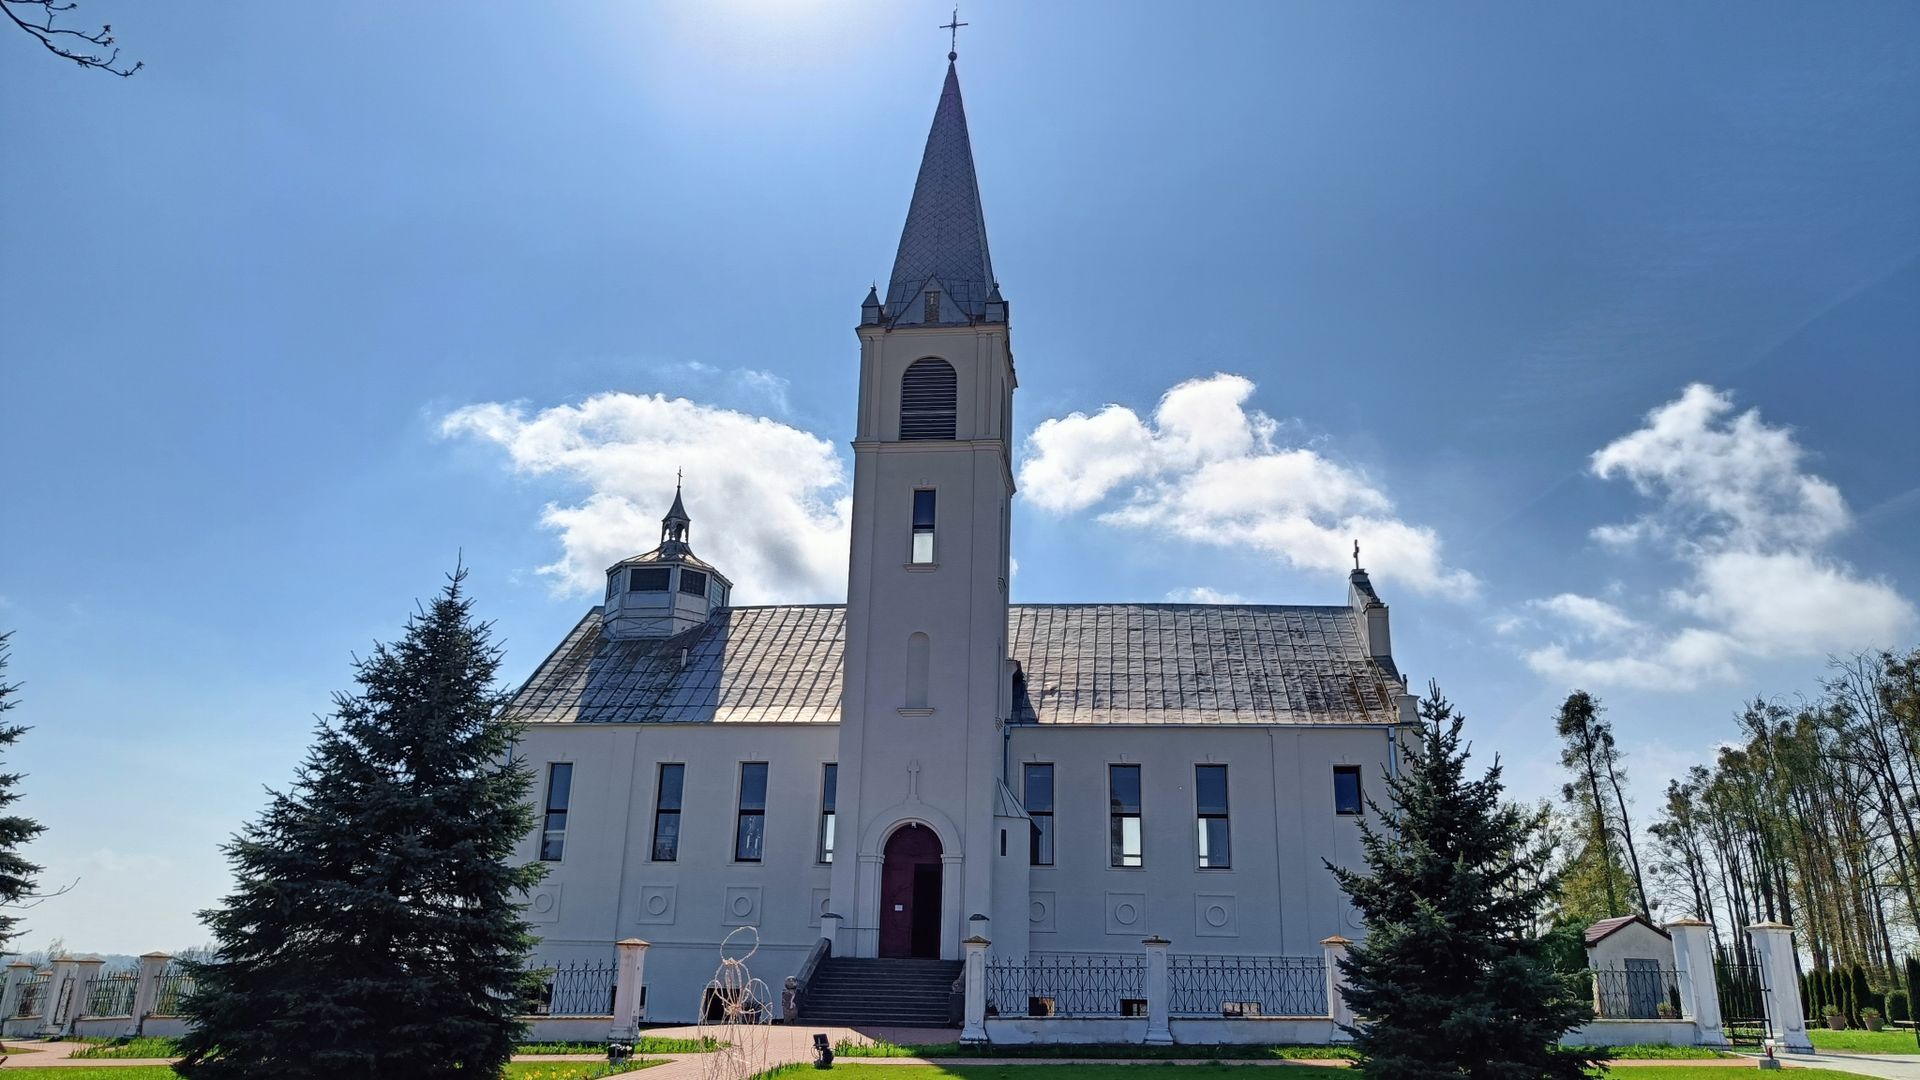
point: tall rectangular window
(1346, 789)
(1123, 816)
(666, 813)
(829, 794)
(750, 828)
(923, 525)
(1210, 807)
(1038, 799)
(553, 831)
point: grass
(146, 1046)
(1128, 1051)
(645, 1044)
(1698, 1072)
(1660, 1052)
(519, 1070)
(958, 1071)
(1884, 1041)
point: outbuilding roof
(1606, 927)
(1077, 664)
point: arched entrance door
(910, 893)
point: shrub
(1897, 1007)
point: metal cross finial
(1356, 554)
(953, 42)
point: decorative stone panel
(1040, 912)
(741, 906)
(543, 906)
(1126, 913)
(656, 903)
(1216, 915)
(821, 898)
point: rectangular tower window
(1346, 789)
(750, 828)
(648, 579)
(1210, 806)
(553, 832)
(923, 525)
(666, 813)
(829, 794)
(693, 582)
(1123, 797)
(1038, 798)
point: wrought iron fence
(1246, 985)
(1742, 989)
(33, 996)
(1067, 984)
(110, 993)
(1635, 994)
(173, 985)
(583, 989)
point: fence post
(17, 973)
(1158, 992)
(974, 1026)
(59, 970)
(626, 988)
(1699, 993)
(146, 992)
(1335, 950)
(85, 971)
(1774, 943)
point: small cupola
(666, 591)
(870, 310)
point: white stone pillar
(146, 991)
(1159, 992)
(85, 971)
(1335, 950)
(973, 1028)
(17, 974)
(1693, 964)
(632, 953)
(830, 929)
(61, 972)
(1773, 943)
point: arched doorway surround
(911, 887)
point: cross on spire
(953, 40)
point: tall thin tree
(17, 875)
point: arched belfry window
(927, 393)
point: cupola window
(693, 582)
(648, 579)
(927, 394)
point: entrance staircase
(897, 993)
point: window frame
(687, 574)
(829, 803)
(1036, 836)
(743, 812)
(1202, 815)
(549, 834)
(915, 530)
(666, 577)
(1118, 815)
(1359, 791)
(660, 810)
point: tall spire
(944, 245)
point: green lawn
(530, 1070)
(1884, 1041)
(147, 1046)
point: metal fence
(174, 984)
(1237, 986)
(583, 989)
(110, 993)
(33, 996)
(1636, 994)
(1067, 984)
(1742, 989)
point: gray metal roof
(1080, 664)
(945, 238)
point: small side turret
(665, 591)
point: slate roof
(1079, 664)
(945, 237)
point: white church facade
(929, 763)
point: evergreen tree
(16, 873)
(1450, 980)
(373, 931)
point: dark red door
(910, 893)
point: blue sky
(329, 294)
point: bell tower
(927, 684)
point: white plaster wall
(1277, 899)
(1635, 941)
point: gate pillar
(1693, 963)
(1773, 944)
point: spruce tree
(373, 931)
(17, 875)
(1449, 981)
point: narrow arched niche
(919, 656)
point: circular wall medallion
(742, 904)
(543, 902)
(657, 904)
(1124, 914)
(1216, 916)
(1036, 912)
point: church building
(927, 762)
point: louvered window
(927, 393)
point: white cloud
(770, 503)
(1750, 528)
(1206, 468)
(1201, 594)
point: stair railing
(822, 949)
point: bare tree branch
(89, 50)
